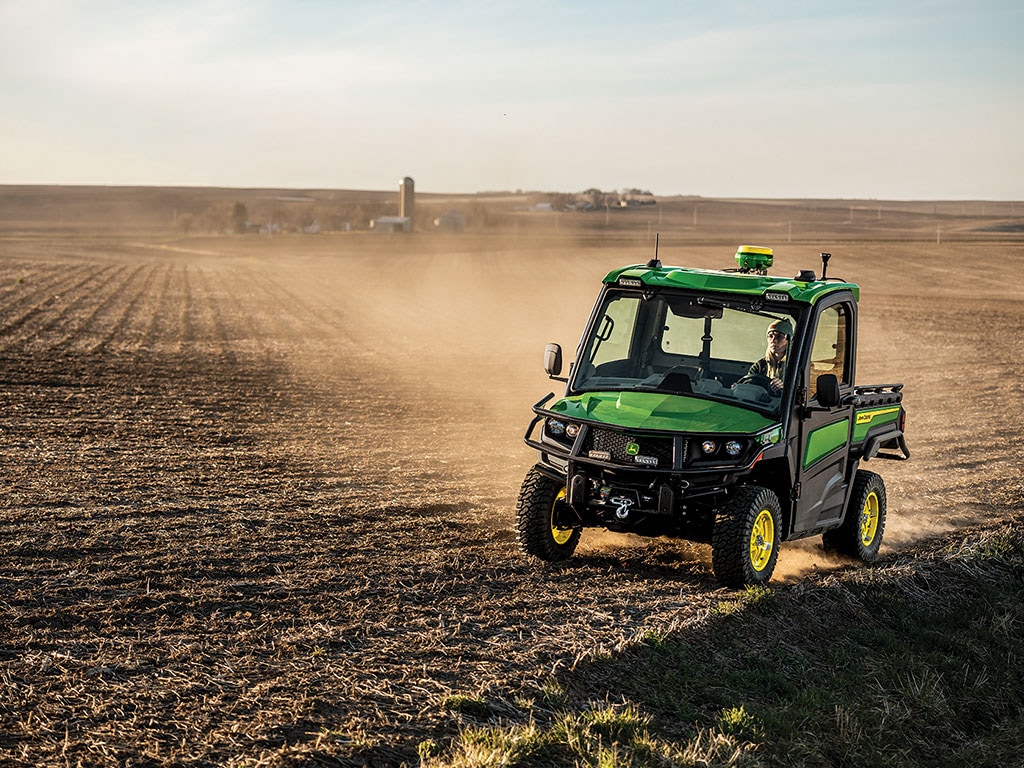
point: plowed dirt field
(258, 493)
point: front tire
(745, 541)
(860, 535)
(538, 510)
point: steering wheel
(693, 372)
(759, 380)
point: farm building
(391, 224)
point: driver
(773, 364)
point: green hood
(653, 410)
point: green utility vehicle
(677, 421)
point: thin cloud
(731, 98)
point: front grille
(617, 443)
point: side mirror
(828, 390)
(553, 359)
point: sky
(902, 99)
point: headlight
(709, 447)
(734, 448)
(571, 430)
(555, 428)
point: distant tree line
(284, 216)
(326, 216)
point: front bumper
(650, 451)
(671, 492)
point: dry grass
(912, 663)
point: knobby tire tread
(730, 549)
(533, 519)
(846, 538)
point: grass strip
(915, 662)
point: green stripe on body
(824, 440)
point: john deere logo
(632, 449)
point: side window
(615, 331)
(828, 352)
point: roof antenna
(655, 263)
(824, 264)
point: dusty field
(259, 492)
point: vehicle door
(822, 467)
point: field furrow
(95, 319)
(75, 302)
(33, 289)
(306, 314)
(127, 317)
(258, 503)
(162, 317)
(186, 309)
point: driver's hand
(777, 384)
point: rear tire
(745, 541)
(860, 535)
(540, 501)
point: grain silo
(406, 199)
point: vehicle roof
(740, 283)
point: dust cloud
(429, 345)
(456, 327)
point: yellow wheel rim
(869, 520)
(559, 534)
(762, 540)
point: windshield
(688, 345)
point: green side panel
(730, 282)
(824, 440)
(652, 410)
(871, 418)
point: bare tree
(215, 219)
(594, 196)
(240, 217)
(185, 221)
